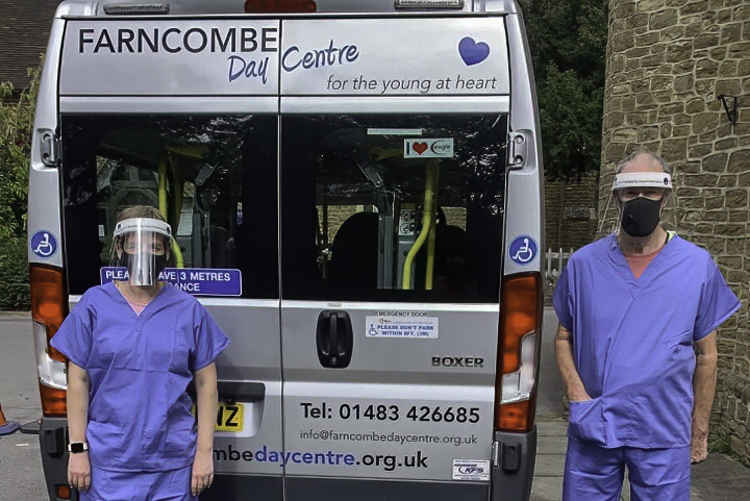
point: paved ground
(20, 464)
(718, 479)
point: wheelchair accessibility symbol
(43, 244)
(523, 249)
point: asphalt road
(20, 465)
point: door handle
(334, 339)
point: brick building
(668, 61)
(24, 29)
(570, 212)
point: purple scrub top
(632, 339)
(139, 366)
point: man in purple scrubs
(634, 308)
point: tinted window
(392, 207)
(216, 176)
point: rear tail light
(518, 356)
(266, 6)
(48, 310)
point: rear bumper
(53, 437)
(511, 477)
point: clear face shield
(142, 245)
(640, 198)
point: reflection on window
(392, 207)
(198, 171)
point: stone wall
(667, 63)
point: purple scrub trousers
(593, 473)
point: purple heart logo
(473, 52)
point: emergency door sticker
(471, 469)
(428, 147)
(43, 244)
(359, 57)
(195, 281)
(406, 324)
(523, 249)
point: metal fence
(556, 261)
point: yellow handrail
(433, 231)
(427, 221)
(163, 209)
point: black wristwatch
(78, 447)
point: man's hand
(574, 387)
(203, 472)
(698, 446)
(578, 395)
(704, 385)
(79, 471)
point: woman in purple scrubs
(133, 347)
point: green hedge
(16, 124)
(14, 274)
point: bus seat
(354, 263)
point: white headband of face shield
(628, 180)
(642, 180)
(143, 224)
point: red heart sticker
(419, 147)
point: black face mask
(125, 260)
(640, 216)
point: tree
(16, 125)
(568, 42)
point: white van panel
(393, 104)
(356, 57)
(44, 182)
(172, 57)
(166, 105)
(525, 185)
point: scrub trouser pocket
(593, 473)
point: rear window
(214, 176)
(392, 207)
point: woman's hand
(208, 396)
(79, 471)
(203, 471)
(79, 466)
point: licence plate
(230, 417)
